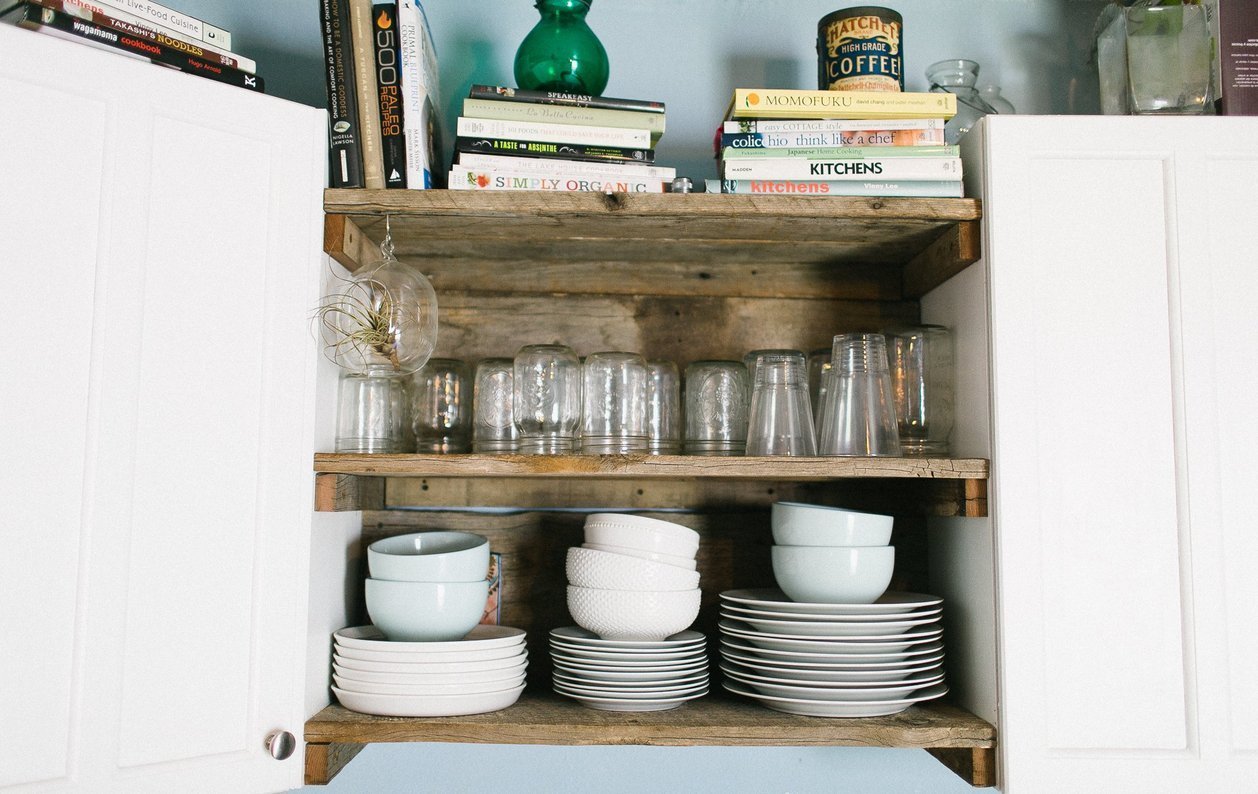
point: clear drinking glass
(921, 364)
(958, 76)
(365, 412)
(1168, 58)
(663, 408)
(860, 412)
(716, 397)
(493, 418)
(780, 418)
(403, 432)
(750, 358)
(440, 409)
(546, 384)
(614, 404)
(818, 362)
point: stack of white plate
(629, 675)
(832, 660)
(482, 672)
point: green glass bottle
(561, 53)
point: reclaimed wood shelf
(960, 740)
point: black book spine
(345, 155)
(562, 151)
(389, 84)
(560, 98)
(36, 17)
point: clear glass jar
(958, 76)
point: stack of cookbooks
(838, 143)
(512, 139)
(141, 29)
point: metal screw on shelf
(682, 185)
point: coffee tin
(861, 49)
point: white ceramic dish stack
(829, 554)
(482, 672)
(832, 660)
(628, 675)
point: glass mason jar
(561, 53)
(958, 76)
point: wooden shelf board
(647, 467)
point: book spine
(553, 133)
(368, 98)
(384, 36)
(827, 125)
(889, 168)
(565, 114)
(419, 91)
(1238, 56)
(558, 151)
(559, 98)
(783, 140)
(576, 167)
(345, 159)
(843, 152)
(463, 178)
(782, 187)
(124, 22)
(796, 104)
(172, 20)
(36, 16)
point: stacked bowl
(831, 555)
(427, 586)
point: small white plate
(427, 705)
(831, 629)
(457, 672)
(625, 704)
(860, 644)
(888, 603)
(830, 658)
(658, 693)
(429, 667)
(618, 677)
(451, 688)
(482, 637)
(415, 657)
(625, 667)
(751, 664)
(849, 692)
(626, 656)
(577, 679)
(835, 708)
(575, 635)
(741, 612)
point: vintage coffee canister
(861, 49)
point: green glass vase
(561, 53)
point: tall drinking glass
(921, 363)
(441, 413)
(546, 383)
(860, 414)
(614, 404)
(663, 408)
(780, 418)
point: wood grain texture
(948, 255)
(977, 765)
(340, 492)
(346, 243)
(325, 760)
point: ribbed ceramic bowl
(641, 537)
(833, 574)
(430, 557)
(798, 524)
(611, 571)
(633, 614)
(669, 529)
(667, 559)
(426, 611)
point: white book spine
(891, 168)
(170, 19)
(554, 133)
(463, 178)
(926, 188)
(576, 167)
(830, 125)
(238, 61)
(419, 90)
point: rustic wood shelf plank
(647, 467)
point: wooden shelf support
(975, 765)
(347, 492)
(325, 761)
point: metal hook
(386, 245)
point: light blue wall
(689, 55)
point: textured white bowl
(668, 559)
(633, 614)
(670, 529)
(430, 557)
(610, 571)
(643, 538)
(426, 611)
(798, 524)
(833, 574)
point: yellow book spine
(761, 103)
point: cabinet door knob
(281, 745)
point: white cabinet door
(160, 259)
(1121, 262)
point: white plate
(626, 667)
(370, 638)
(888, 603)
(862, 644)
(802, 673)
(835, 708)
(632, 661)
(627, 656)
(577, 679)
(575, 635)
(520, 657)
(625, 704)
(427, 705)
(449, 688)
(658, 693)
(459, 673)
(619, 677)
(418, 657)
(852, 691)
(827, 659)
(831, 629)
(739, 612)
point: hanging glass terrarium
(561, 53)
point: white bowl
(798, 524)
(668, 559)
(633, 614)
(426, 611)
(424, 668)
(455, 675)
(446, 688)
(430, 557)
(682, 534)
(610, 571)
(642, 538)
(427, 705)
(833, 574)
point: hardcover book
(827, 125)
(783, 187)
(345, 158)
(463, 178)
(576, 167)
(389, 93)
(789, 140)
(560, 98)
(553, 133)
(361, 37)
(565, 114)
(1238, 57)
(559, 151)
(420, 98)
(174, 21)
(874, 168)
(843, 152)
(760, 103)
